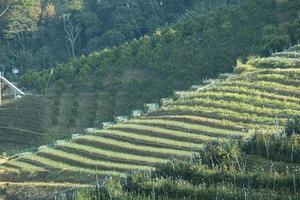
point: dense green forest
(196, 47)
(38, 34)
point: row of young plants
(132, 148)
(221, 170)
(249, 99)
(275, 62)
(15, 165)
(88, 163)
(285, 80)
(92, 152)
(146, 139)
(190, 128)
(287, 54)
(254, 92)
(250, 120)
(266, 86)
(292, 73)
(160, 132)
(286, 77)
(279, 75)
(239, 106)
(48, 163)
(200, 121)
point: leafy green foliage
(293, 126)
(275, 146)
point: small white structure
(8, 89)
(121, 119)
(137, 113)
(166, 101)
(151, 107)
(91, 130)
(24, 154)
(61, 142)
(195, 87)
(107, 125)
(43, 147)
(76, 136)
(181, 94)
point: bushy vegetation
(222, 170)
(39, 34)
(275, 62)
(292, 126)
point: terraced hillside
(263, 93)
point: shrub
(222, 154)
(293, 126)
(275, 146)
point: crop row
(275, 62)
(59, 165)
(199, 120)
(220, 113)
(146, 139)
(276, 88)
(238, 106)
(250, 99)
(189, 127)
(104, 153)
(127, 147)
(148, 129)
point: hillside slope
(88, 90)
(263, 94)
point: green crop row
(238, 106)
(96, 164)
(150, 139)
(254, 92)
(189, 127)
(285, 54)
(164, 133)
(110, 154)
(131, 147)
(218, 113)
(23, 166)
(275, 62)
(193, 119)
(284, 80)
(58, 165)
(273, 87)
(249, 99)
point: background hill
(234, 127)
(91, 89)
(35, 33)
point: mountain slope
(91, 89)
(221, 111)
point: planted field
(223, 111)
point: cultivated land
(263, 97)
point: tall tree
(72, 33)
